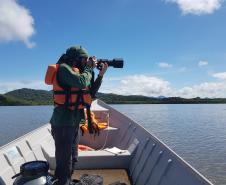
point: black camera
(116, 63)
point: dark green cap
(76, 52)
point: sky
(169, 47)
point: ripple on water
(196, 132)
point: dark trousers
(66, 145)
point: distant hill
(118, 99)
(136, 99)
(8, 101)
(31, 96)
(41, 97)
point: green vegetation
(134, 99)
(42, 97)
(9, 101)
(31, 96)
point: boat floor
(109, 175)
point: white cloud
(154, 87)
(202, 63)
(16, 23)
(164, 65)
(9, 86)
(221, 76)
(203, 90)
(197, 7)
(139, 85)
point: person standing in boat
(73, 89)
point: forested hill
(31, 96)
(26, 97)
(42, 97)
(6, 100)
(136, 99)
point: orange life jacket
(73, 97)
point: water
(19, 120)
(196, 132)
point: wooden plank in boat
(109, 175)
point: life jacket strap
(80, 101)
(90, 125)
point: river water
(196, 132)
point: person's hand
(92, 62)
(104, 67)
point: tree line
(42, 97)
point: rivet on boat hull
(155, 164)
(169, 162)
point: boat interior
(123, 152)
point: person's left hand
(104, 67)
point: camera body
(115, 63)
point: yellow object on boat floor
(109, 175)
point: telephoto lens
(116, 63)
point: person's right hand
(92, 62)
(104, 67)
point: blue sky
(170, 47)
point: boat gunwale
(183, 162)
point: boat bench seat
(107, 158)
(102, 160)
(93, 159)
(48, 147)
(108, 134)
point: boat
(124, 151)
